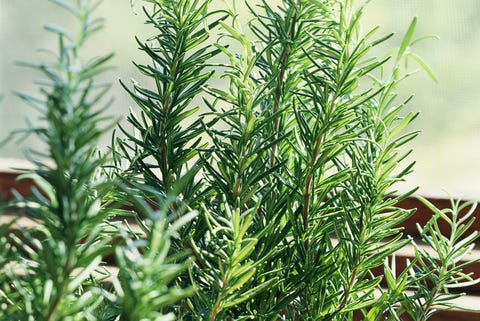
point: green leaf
(234, 300)
(84, 274)
(407, 39)
(248, 245)
(42, 184)
(424, 66)
(240, 281)
(234, 33)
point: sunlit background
(447, 151)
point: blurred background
(447, 151)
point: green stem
(309, 181)
(163, 144)
(51, 316)
(280, 83)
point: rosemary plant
(295, 178)
(55, 270)
(261, 169)
(439, 268)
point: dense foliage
(260, 166)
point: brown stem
(218, 301)
(309, 179)
(354, 274)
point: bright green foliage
(440, 265)
(143, 290)
(296, 187)
(55, 271)
(261, 167)
(5, 257)
(52, 273)
(179, 54)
